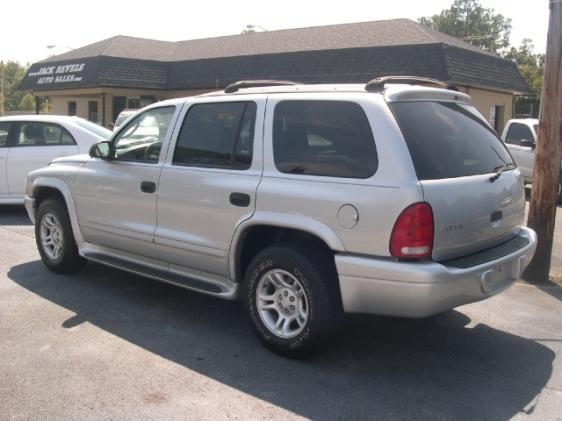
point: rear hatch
(467, 175)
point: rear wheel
(292, 300)
(55, 239)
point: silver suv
(304, 201)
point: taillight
(412, 235)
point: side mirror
(528, 143)
(101, 150)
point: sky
(29, 26)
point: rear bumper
(420, 289)
(29, 203)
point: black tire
(317, 275)
(69, 261)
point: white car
(122, 117)
(520, 137)
(32, 141)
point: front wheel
(55, 239)
(292, 300)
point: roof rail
(377, 85)
(234, 87)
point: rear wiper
(498, 172)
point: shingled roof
(382, 33)
(352, 52)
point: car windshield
(94, 128)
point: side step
(159, 275)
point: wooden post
(546, 173)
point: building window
(496, 117)
(71, 107)
(146, 100)
(119, 104)
(133, 103)
(93, 111)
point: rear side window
(4, 131)
(326, 138)
(43, 134)
(448, 140)
(518, 132)
(217, 135)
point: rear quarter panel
(378, 200)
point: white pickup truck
(520, 137)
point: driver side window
(141, 139)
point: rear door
(4, 149)
(458, 159)
(34, 146)
(208, 184)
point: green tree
(470, 21)
(12, 73)
(531, 67)
(27, 103)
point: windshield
(94, 128)
(448, 140)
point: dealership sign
(63, 73)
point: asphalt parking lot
(108, 345)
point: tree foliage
(27, 103)
(530, 64)
(12, 73)
(531, 67)
(470, 21)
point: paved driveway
(109, 345)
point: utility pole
(2, 92)
(546, 173)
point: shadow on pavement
(550, 288)
(378, 367)
(13, 215)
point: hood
(79, 159)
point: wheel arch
(44, 188)
(268, 228)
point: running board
(161, 275)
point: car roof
(47, 118)
(392, 91)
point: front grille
(485, 256)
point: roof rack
(377, 85)
(234, 87)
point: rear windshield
(94, 128)
(448, 140)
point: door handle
(240, 199)
(148, 186)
